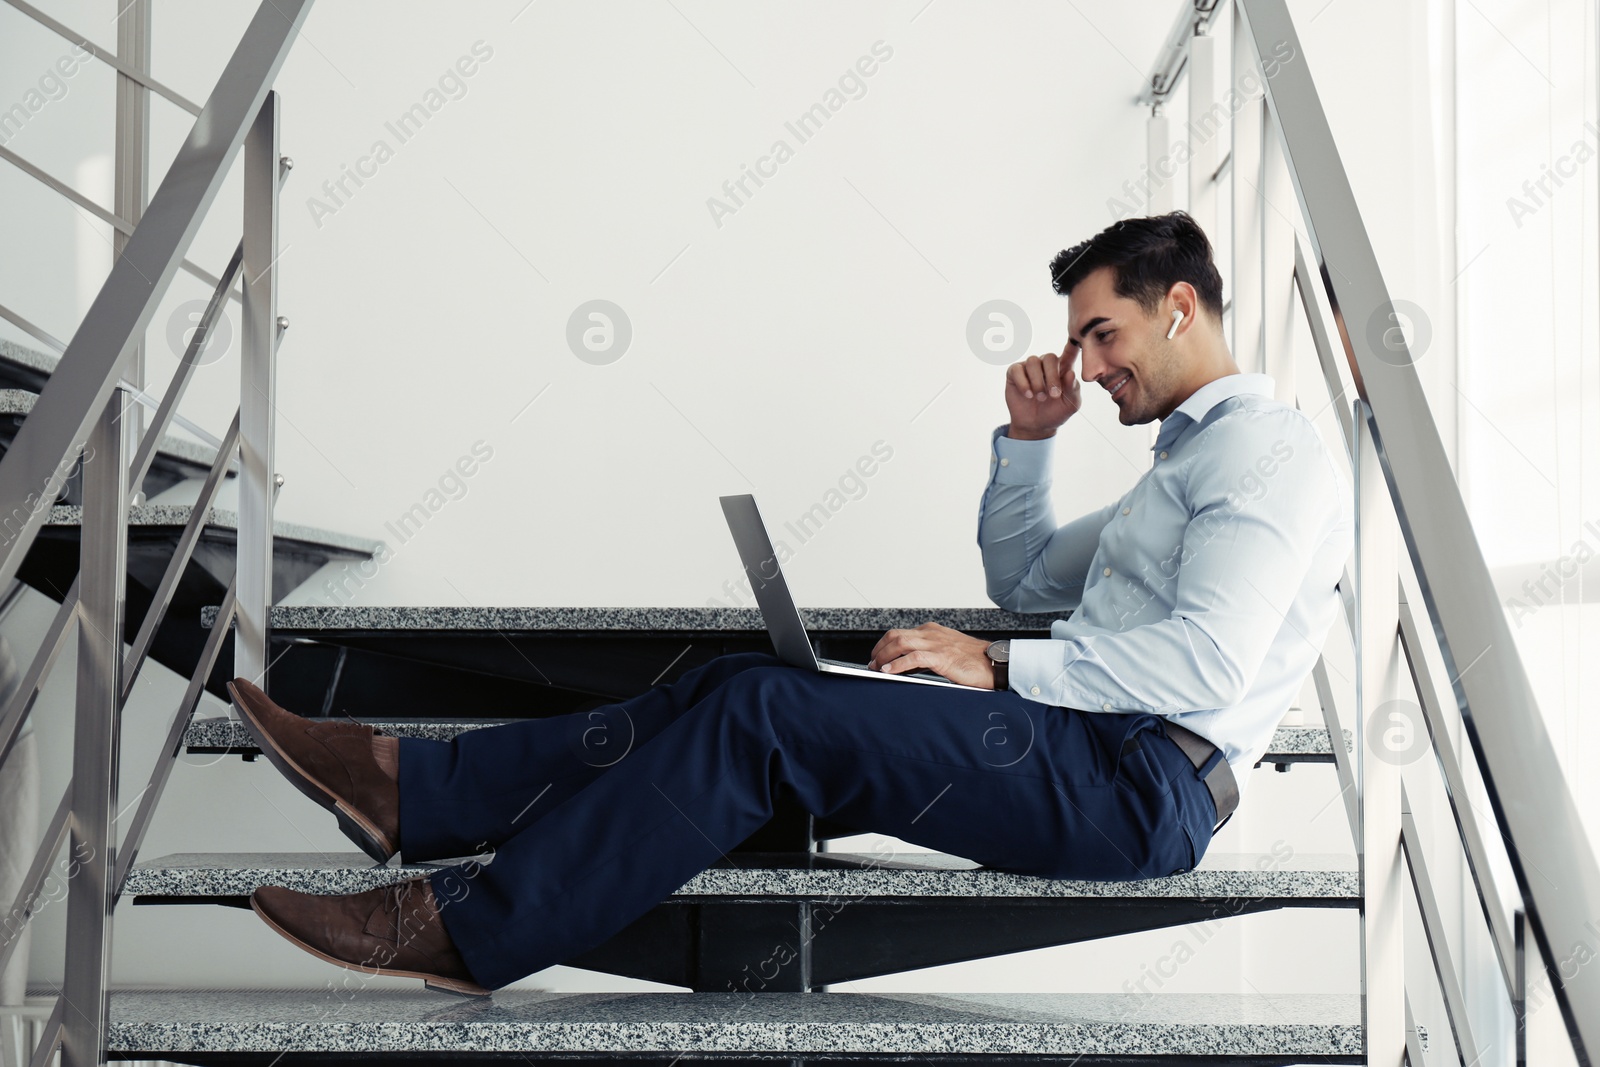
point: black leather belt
(1214, 770)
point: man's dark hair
(1147, 256)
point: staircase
(758, 940)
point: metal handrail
(1532, 804)
(87, 373)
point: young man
(1109, 750)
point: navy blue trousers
(596, 817)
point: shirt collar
(1202, 400)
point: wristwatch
(999, 653)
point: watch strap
(1002, 669)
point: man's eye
(1103, 336)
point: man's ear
(1181, 297)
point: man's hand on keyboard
(949, 653)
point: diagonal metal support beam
(1433, 927)
(167, 758)
(50, 1037)
(21, 911)
(1476, 849)
(182, 553)
(21, 703)
(168, 409)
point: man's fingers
(886, 648)
(1052, 373)
(898, 643)
(1035, 371)
(908, 662)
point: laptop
(778, 610)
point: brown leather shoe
(394, 930)
(330, 761)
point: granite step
(353, 1024)
(176, 516)
(224, 734)
(408, 662)
(176, 458)
(865, 915)
(1322, 878)
(332, 618)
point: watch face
(1000, 651)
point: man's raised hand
(1042, 393)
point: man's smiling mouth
(1115, 386)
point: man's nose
(1091, 366)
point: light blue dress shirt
(1204, 594)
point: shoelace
(394, 900)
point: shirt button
(1126, 510)
(1106, 706)
(1107, 572)
(1005, 463)
(1034, 690)
(1163, 455)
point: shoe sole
(356, 826)
(437, 983)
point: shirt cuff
(1034, 662)
(1014, 462)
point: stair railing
(79, 413)
(1426, 620)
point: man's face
(1123, 349)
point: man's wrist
(1028, 435)
(999, 656)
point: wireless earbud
(1177, 317)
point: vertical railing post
(96, 740)
(1277, 263)
(1384, 735)
(1519, 999)
(132, 179)
(258, 393)
(1204, 134)
(1159, 161)
(1248, 209)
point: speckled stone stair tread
(1230, 875)
(21, 401)
(662, 619)
(984, 1024)
(225, 732)
(178, 515)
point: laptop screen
(778, 609)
